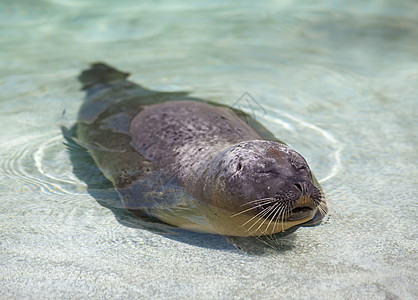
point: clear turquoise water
(338, 81)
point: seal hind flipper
(100, 73)
(106, 86)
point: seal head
(264, 185)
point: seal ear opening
(100, 73)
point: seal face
(268, 183)
(192, 164)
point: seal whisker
(322, 204)
(272, 212)
(264, 202)
(331, 202)
(260, 215)
(279, 218)
(263, 217)
(322, 207)
(255, 216)
(287, 213)
(275, 215)
(284, 216)
(251, 208)
(278, 209)
(269, 199)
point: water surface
(338, 81)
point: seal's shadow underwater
(189, 163)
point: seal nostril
(299, 186)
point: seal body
(193, 164)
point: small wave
(295, 125)
(41, 162)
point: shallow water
(337, 81)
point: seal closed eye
(193, 164)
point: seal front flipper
(159, 194)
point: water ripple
(41, 162)
(309, 135)
(323, 135)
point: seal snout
(301, 199)
(302, 209)
(310, 203)
(302, 187)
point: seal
(191, 163)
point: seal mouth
(302, 208)
(271, 215)
(300, 213)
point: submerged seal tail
(100, 73)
